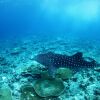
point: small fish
(76, 62)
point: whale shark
(75, 62)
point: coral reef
(23, 76)
(5, 93)
(64, 73)
(3, 61)
(28, 93)
(49, 87)
(17, 50)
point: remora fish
(76, 62)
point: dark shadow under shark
(76, 62)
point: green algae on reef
(49, 87)
(64, 73)
(28, 93)
(5, 93)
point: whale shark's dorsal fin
(50, 53)
(78, 55)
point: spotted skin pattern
(75, 62)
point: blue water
(50, 17)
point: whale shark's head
(43, 59)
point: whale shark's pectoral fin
(52, 70)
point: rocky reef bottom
(21, 78)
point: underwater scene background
(49, 50)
